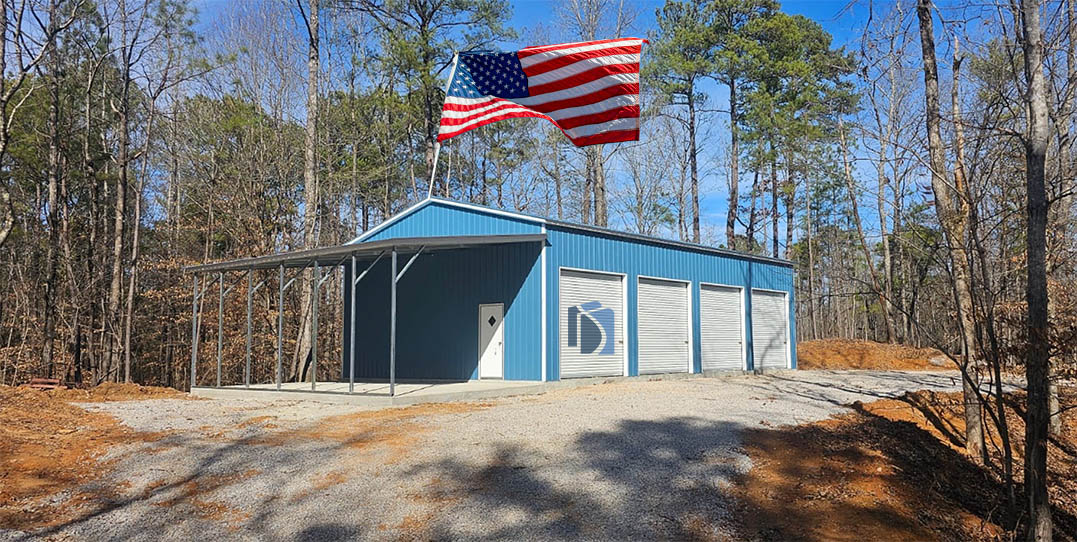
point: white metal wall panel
(721, 323)
(663, 326)
(770, 330)
(591, 309)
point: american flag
(590, 90)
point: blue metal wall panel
(577, 249)
(435, 218)
(437, 314)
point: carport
(355, 263)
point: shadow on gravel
(192, 494)
(648, 479)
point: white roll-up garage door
(663, 326)
(770, 330)
(721, 321)
(591, 324)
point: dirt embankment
(49, 448)
(894, 470)
(848, 354)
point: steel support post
(351, 330)
(314, 327)
(280, 325)
(194, 331)
(220, 325)
(250, 308)
(392, 329)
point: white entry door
(663, 326)
(491, 341)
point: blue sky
(841, 23)
(842, 19)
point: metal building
(450, 292)
(528, 298)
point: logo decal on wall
(590, 326)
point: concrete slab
(376, 394)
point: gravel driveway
(626, 460)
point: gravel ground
(627, 460)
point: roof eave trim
(681, 245)
(431, 200)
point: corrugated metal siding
(437, 314)
(584, 250)
(439, 219)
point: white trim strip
(545, 336)
(624, 123)
(538, 58)
(580, 90)
(581, 66)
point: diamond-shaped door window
(492, 320)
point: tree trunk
(948, 209)
(599, 176)
(812, 307)
(120, 209)
(753, 215)
(962, 215)
(310, 193)
(588, 187)
(773, 203)
(734, 168)
(596, 176)
(692, 164)
(789, 201)
(1037, 360)
(887, 308)
(51, 217)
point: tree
(729, 19)
(311, 196)
(587, 20)
(951, 206)
(1035, 141)
(683, 55)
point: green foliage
(796, 85)
(682, 52)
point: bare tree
(311, 195)
(1037, 361)
(588, 20)
(952, 208)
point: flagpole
(437, 144)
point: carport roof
(336, 255)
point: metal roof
(684, 245)
(336, 255)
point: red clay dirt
(849, 354)
(49, 447)
(892, 470)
